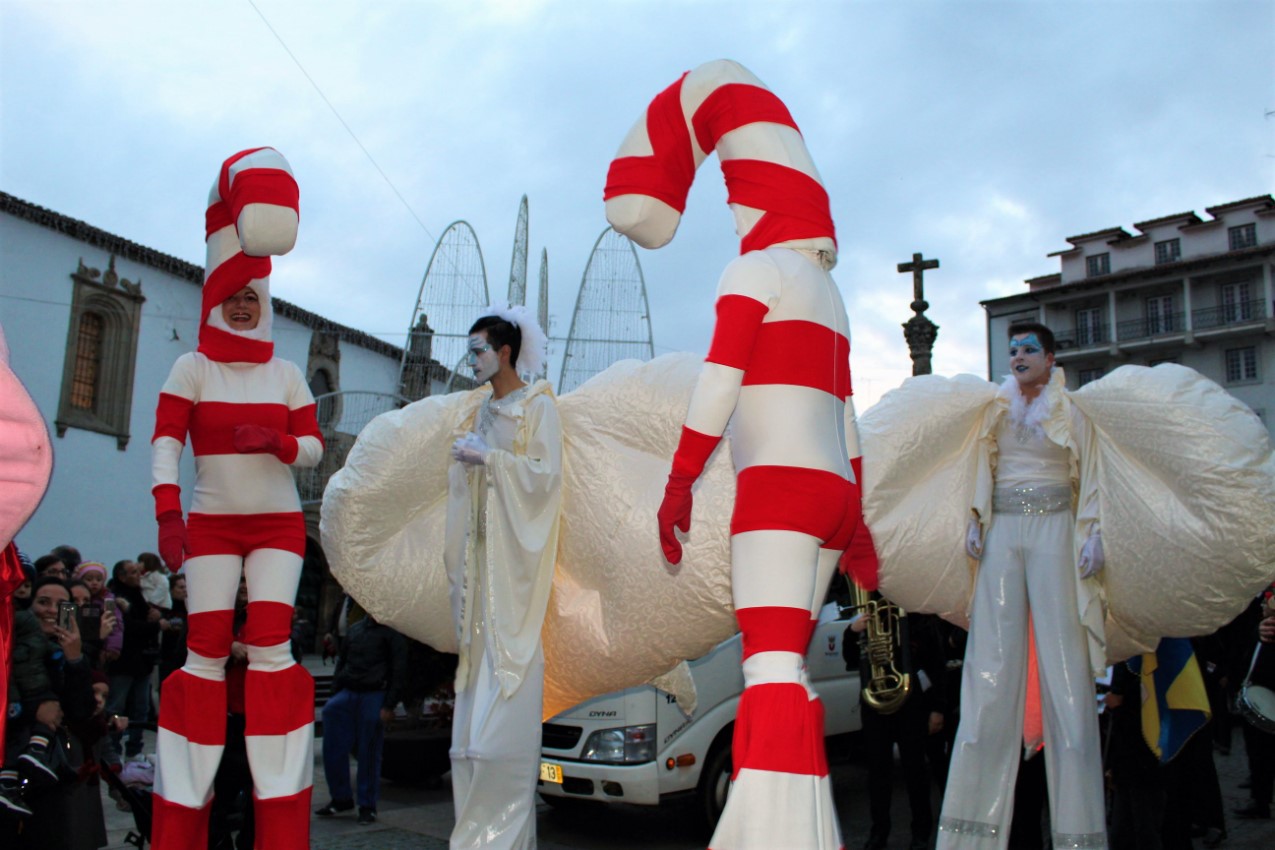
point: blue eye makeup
(1028, 344)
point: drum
(1256, 700)
(1257, 706)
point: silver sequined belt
(1032, 501)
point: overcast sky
(981, 133)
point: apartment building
(1181, 288)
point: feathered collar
(1042, 415)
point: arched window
(88, 362)
(101, 353)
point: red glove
(258, 439)
(172, 539)
(675, 510)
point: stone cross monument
(919, 331)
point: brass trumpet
(883, 643)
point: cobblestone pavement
(420, 817)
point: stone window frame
(118, 304)
(1241, 236)
(1098, 265)
(1237, 363)
(1168, 251)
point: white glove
(974, 539)
(1092, 558)
(470, 449)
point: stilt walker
(250, 416)
(778, 372)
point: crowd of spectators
(91, 648)
(86, 644)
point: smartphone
(90, 620)
(66, 611)
(108, 605)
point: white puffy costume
(501, 543)
(1177, 474)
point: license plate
(551, 772)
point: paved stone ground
(420, 818)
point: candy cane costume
(249, 416)
(778, 372)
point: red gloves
(258, 439)
(172, 539)
(675, 510)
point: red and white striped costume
(778, 371)
(245, 518)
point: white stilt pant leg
(1073, 762)
(979, 801)
(495, 757)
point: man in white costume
(504, 497)
(1026, 518)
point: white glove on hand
(1092, 558)
(974, 539)
(470, 449)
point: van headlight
(626, 745)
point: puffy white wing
(383, 515)
(1187, 484)
(620, 614)
(919, 463)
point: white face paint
(1029, 361)
(482, 358)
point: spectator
(22, 593)
(155, 580)
(68, 555)
(51, 565)
(96, 624)
(64, 813)
(26, 744)
(89, 733)
(232, 788)
(371, 671)
(130, 673)
(172, 629)
(1260, 745)
(910, 725)
(93, 575)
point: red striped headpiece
(253, 210)
(772, 183)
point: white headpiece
(535, 345)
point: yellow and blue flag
(1174, 703)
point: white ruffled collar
(1033, 416)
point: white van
(636, 745)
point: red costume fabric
(778, 371)
(248, 416)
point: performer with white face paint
(1023, 525)
(504, 498)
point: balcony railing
(1227, 314)
(1133, 330)
(1083, 337)
(1172, 323)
